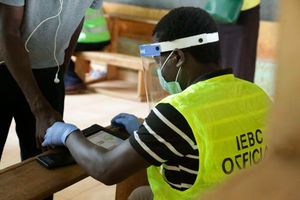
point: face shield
(157, 87)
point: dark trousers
(14, 105)
(239, 43)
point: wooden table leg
(125, 188)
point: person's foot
(75, 89)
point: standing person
(239, 41)
(211, 126)
(37, 38)
(93, 37)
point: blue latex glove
(128, 121)
(57, 134)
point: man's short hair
(189, 21)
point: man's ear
(180, 57)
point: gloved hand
(57, 134)
(130, 122)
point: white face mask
(172, 87)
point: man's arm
(17, 62)
(41, 126)
(109, 167)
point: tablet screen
(105, 140)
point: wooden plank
(137, 30)
(120, 60)
(30, 180)
(124, 189)
(137, 11)
(82, 67)
(141, 90)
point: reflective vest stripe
(95, 29)
(93, 14)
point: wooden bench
(116, 83)
(30, 180)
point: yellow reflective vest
(228, 117)
(94, 28)
(248, 4)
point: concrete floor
(82, 110)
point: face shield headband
(155, 50)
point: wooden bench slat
(30, 180)
(117, 59)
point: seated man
(210, 127)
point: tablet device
(118, 132)
(104, 138)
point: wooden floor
(82, 110)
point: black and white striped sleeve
(165, 135)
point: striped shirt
(165, 139)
